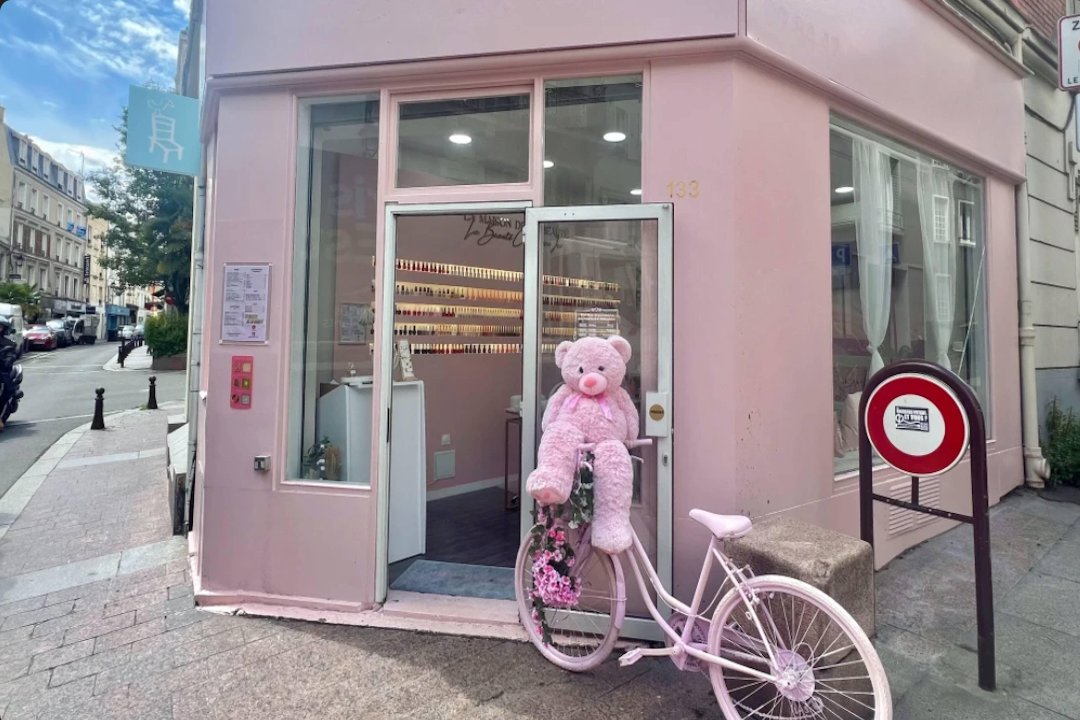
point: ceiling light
(635, 191)
(460, 139)
(548, 164)
(614, 136)
(844, 190)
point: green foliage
(166, 334)
(150, 219)
(26, 296)
(1062, 445)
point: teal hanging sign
(163, 132)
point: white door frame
(663, 214)
(386, 356)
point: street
(59, 395)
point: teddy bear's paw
(548, 489)
(612, 539)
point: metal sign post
(921, 419)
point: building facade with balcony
(46, 226)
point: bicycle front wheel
(824, 665)
(579, 637)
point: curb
(26, 486)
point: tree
(149, 214)
(28, 297)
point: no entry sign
(917, 424)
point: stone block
(837, 564)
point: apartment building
(45, 233)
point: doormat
(443, 578)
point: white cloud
(71, 155)
(183, 6)
(50, 104)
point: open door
(605, 270)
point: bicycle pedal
(630, 657)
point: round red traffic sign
(917, 424)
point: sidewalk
(139, 359)
(97, 621)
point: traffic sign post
(921, 419)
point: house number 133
(682, 188)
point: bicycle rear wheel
(825, 664)
(581, 636)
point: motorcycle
(11, 375)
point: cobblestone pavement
(97, 621)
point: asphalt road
(59, 387)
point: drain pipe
(1036, 468)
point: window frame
(905, 151)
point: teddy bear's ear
(561, 350)
(621, 346)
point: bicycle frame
(637, 558)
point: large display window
(334, 310)
(908, 270)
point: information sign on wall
(598, 322)
(246, 300)
(1069, 53)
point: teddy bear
(590, 407)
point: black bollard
(151, 404)
(99, 411)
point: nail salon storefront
(767, 199)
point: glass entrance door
(601, 271)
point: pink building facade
(768, 198)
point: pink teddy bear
(591, 407)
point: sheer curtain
(872, 176)
(939, 255)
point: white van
(10, 310)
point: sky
(65, 68)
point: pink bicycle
(775, 647)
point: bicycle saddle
(723, 526)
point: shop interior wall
(334, 33)
(259, 535)
(867, 47)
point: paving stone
(32, 617)
(100, 587)
(1048, 601)
(90, 665)
(13, 669)
(61, 655)
(20, 690)
(184, 617)
(180, 591)
(59, 702)
(129, 635)
(100, 626)
(1062, 560)
(21, 606)
(957, 700)
(149, 599)
(74, 619)
(30, 646)
(205, 647)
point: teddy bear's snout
(593, 384)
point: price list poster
(246, 300)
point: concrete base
(839, 565)
(170, 362)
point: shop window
(908, 271)
(333, 319)
(592, 141)
(463, 141)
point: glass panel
(332, 365)
(458, 315)
(471, 141)
(592, 141)
(600, 279)
(924, 296)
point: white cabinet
(344, 416)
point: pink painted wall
(906, 59)
(355, 32)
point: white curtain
(872, 175)
(939, 256)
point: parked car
(138, 332)
(14, 313)
(64, 336)
(127, 332)
(40, 336)
(85, 329)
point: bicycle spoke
(850, 712)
